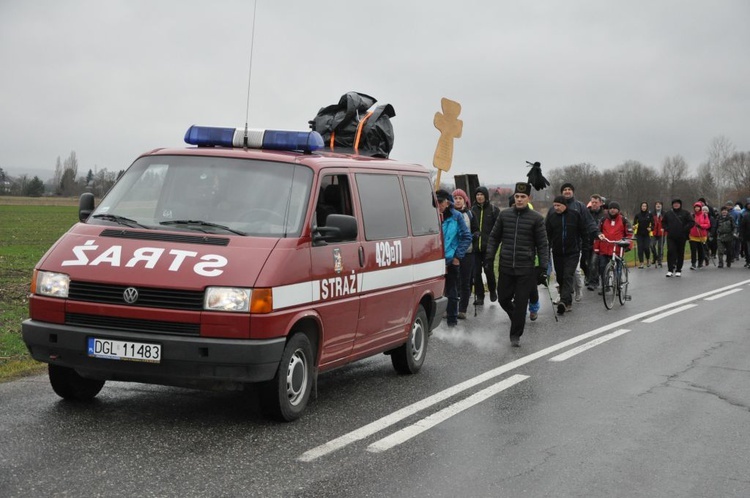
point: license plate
(124, 350)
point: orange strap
(333, 135)
(359, 131)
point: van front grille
(148, 297)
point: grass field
(28, 227)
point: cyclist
(614, 226)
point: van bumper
(186, 361)
(441, 305)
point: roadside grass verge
(27, 231)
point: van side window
(422, 211)
(334, 198)
(383, 211)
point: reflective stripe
(286, 296)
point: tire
(285, 397)
(609, 288)
(69, 385)
(622, 294)
(408, 358)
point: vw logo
(130, 295)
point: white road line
(723, 294)
(668, 313)
(407, 411)
(431, 421)
(580, 349)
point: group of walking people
(575, 240)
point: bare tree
(674, 174)
(719, 151)
(737, 170)
(584, 176)
(706, 184)
(634, 183)
(68, 184)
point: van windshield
(210, 195)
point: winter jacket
(657, 229)
(564, 232)
(725, 228)
(699, 230)
(643, 223)
(486, 214)
(677, 223)
(614, 229)
(745, 226)
(456, 235)
(521, 236)
(588, 219)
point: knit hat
(567, 185)
(460, 193)
(560, 200)
(678, 201)
(522, 188)
(614, 205)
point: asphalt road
(648, 399)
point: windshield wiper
(121, 220)
(202, 224)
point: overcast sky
(561, 82)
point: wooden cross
(450, 128)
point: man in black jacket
(677, 224)
(565, 231)
(520, 234)
(485, 214)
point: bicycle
(615, 278)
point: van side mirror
(339, 227)
(85, 206)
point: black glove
(541, 276)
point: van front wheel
(69, 385)
(285, 396)
(408, 358)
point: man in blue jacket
(456, 240)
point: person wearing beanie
(520, 234)
(725, 237)
(565, 231)
(614, 226)
(677, 223)
(698, 236)
(456, 240)
(466, 270)
(485, 215)
(657, 232)
(567, 190)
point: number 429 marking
(388, 253)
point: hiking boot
(493, 296)
(591, 287)
(462, 315)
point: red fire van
(221, 265)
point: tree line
(65, 181)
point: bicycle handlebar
(620, 243)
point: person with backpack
(463, 205)
(486, 214)
(725, 237)
(456, 240)
(677, 224)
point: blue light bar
(206, 136)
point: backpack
(356, 125)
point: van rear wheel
(408, 358)
(285, 396)
(69, 385)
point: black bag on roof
(356, 125)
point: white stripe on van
(286, 296)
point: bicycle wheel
(609, 285)
(622, 294)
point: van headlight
(47, 283)
(227, 299)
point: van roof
(314, 160)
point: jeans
(657, 249)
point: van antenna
(250, 73)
